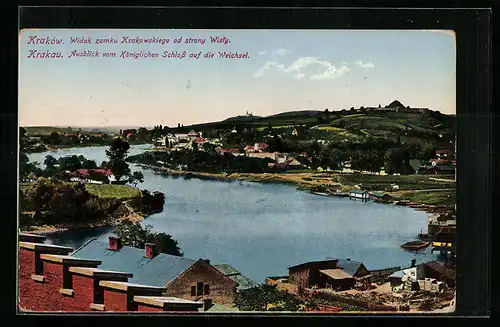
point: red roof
(234, 150)
(257, 146)
(87, 172)
(200, 140)
(440, 161)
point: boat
(415, 245)
(320, 193)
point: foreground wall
(51, 281)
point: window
(199, 288)
(207, 289)
(193, 290)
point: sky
(285, 70)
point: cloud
(267, 66)
(365, 65)
(331, 73)
(279, 52)
(301, 68)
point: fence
(384, 272)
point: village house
(200, 140)
(265, 155)
(181, 277)
(51, 280)
(88, 176)
(257, 147)
(288, 163)
(359, 194)
(429, 276)
(337, 274)
(161, 141)
(221, 151)
(380, 197)
(243, 281)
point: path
(443, 180)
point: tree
(50, 161)
(70, 163)
(88, 164)
(54, 138)
(209, 148)
(331, 157)
(397, 160)
(143, 134)
(117, 154)
(134, 235)
(267, 298)
(136, 177)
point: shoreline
(51, 148)
(329, 189)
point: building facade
(181, 277)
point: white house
(161, 141)
(359, 194)
(84, 176)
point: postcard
(233, 171)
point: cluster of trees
(370, 155)
(55, 139)
(134, 235)
(54, 201)
(204, 161)
(26, 167)
(116, 153)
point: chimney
(348, 259)
(150, 250)
(115, 243)
(413, 262)
(207, 304)
(206, 260)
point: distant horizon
(208, 122)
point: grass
(354, 116)
(274, 127)
(105, 191)
(383, 182)
(432, 198)
(112, 191)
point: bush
(134, 235)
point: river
(262, 229)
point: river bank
(112, 221)
(332, 184)
(41, 147)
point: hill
(389, 122)
(245, 118)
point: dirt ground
(45, 229)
